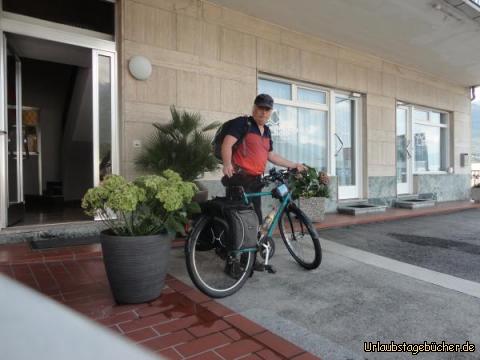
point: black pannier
(241, 219)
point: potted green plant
(142, 217)
(183, 145)
(475, 192)
(311, 189)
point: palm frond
(211, 126)
(182, 145)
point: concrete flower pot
(313, 207)
(202, 195)
(476, 194)
(136, 266)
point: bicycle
(219, 272)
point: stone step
(414, 203)
(38, 232)
(360, 207)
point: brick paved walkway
(182, 323)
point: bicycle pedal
(270, 269)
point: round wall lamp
(140, 67)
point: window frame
(294, 91)
(349, 192)
(445, 143)
(294, 102)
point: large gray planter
(476, 194)
(202, 195)
(136, 266)
(313, 207)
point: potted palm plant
(311, 189)
(183, 145)
(142, 217)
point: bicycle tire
(192, 267)
(287, 230)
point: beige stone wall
(206, 58)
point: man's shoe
(258, 266)
(233, 269)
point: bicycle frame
(285, 201)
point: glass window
(275, 89)
(300, 125)
(402, 145)
(105, 115)
(283, 125)
(430, 140)
(312, 96)
(345, 141)
(312, 138)
(430, 147)
(300, 134)
(435, 118)
(419, 115)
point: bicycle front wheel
(215, 270)
(300, 237)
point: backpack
(241, 219)
(222, 132)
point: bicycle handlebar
(278, 175)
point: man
(244, 164)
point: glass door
(403, 150)
(14, 135)
(105, 143)
(345, 135)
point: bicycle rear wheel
(213, 269)
(300, 237)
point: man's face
(261, 114)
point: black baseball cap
(264, 100)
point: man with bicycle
(217, 240)
(246, 149)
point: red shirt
(251, 153)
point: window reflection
(275, 89)
(300, 134)
(105, 115)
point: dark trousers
(250, 183)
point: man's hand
(300, 167)
(228, 170)
(280, 161)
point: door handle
(3, 132)
(341, 145)
(407, 149)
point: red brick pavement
(182, 323)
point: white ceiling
(444, 42)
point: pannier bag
(241, 219)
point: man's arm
(227, 144)
(280, 161)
